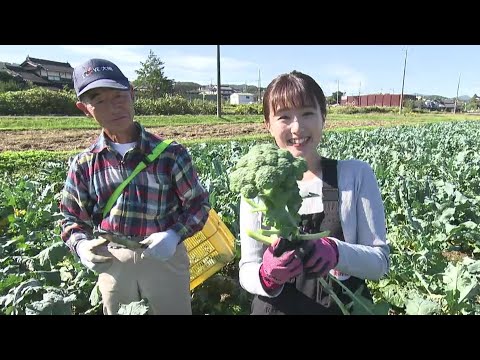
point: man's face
(111, 108)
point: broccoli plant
(271, 174)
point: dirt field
(80, 139)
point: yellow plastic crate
(209, 250)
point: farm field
(76, 133)
(428, 175)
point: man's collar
(103, 142)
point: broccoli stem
(265, 235)
(255, 207)
(312, 236)
(122, 240)
(335, 298)
(269, 232)
(259, 237)
(355, 298)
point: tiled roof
(27, 75)
(49, 65)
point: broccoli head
(271, 174)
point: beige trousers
(165, 284)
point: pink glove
(276, 271)
(322, 258)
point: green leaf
(9, 281)
(469, 225)
(65, 274)
(28, 286)
(449, 189)
(52, 255)
(421, 306)
(446, 215)
(460, 198)
(459, 159)
(51, 278)
(95, 295)
(457, 279)
(52, 304)
(449, 228)
(381, 308)
(394, 294)
(474, 267)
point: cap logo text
(91, 70)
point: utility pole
(359, 87)
(259, 87)
(219, 85)
(456, 99)
(403, 81)
(338, 89)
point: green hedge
(42, 102)
(38, 101)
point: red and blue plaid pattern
(165, 195)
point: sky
(352, 69)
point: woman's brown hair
(293, 90)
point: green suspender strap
(142, 165)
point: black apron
(306, 296)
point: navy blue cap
(96, 73)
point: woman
(339, 196)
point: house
(450, 105)
(242, 98)
(45, 73)
(225, 91)
(433, 105)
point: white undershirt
(123, 148)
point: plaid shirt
(165, 195)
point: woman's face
(299, 130)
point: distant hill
(183, 88)
(465, 98)
(246, 88)
(433, 97)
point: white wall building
(242, 98)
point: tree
(151, 80)
(182, 88)
(9, 82)
(473, 104)
(333, 99)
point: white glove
(95, 262)
(161, 245)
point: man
(159, 208)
